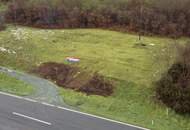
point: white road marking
(31, 118)
(44, 103)
(7, 94)
(63, 108)
(114, 121)
(31, 100)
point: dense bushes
(163, 17)
(5, 1)
(173, 89)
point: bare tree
(140, 20)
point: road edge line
(71, 110)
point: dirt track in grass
(45, 90)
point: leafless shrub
(173, 88)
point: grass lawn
(116, 55)
(3, 7)
(14, 86)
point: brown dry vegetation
(74, 78)
(173, 88)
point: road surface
(19, 113)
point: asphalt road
(17, 113)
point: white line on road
(63, 108)
(47, 104)
(7, 94)
(31, 100)
(98, 117)
(31, 118)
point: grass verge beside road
(11, 85)
(131, 103)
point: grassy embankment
(113, 54)
(14, 86)
(2, 7)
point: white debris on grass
(20, 34)
(45, 34)
(19, 48)
(45, 38)
(9, 70)
(163, 50)
(2, 49)
(13, 52)
(152, 44)
(39, 63)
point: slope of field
(133, 64)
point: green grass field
(3, 7)
(14, 86)
(116, 55)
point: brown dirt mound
(74, 78)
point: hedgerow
(163, 17)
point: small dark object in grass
(140, 45)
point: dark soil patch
(74, 78)
(140, 45)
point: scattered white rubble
(152, 44)
(9, 70)
(19, 48)
(12, 52)
(20, 34)
(44, 33)
(163, 50)
(2, 49)
(45, 38)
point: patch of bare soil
(74, 78)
